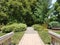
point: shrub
(14, 27)
(38, 27)
(20, 27)
(54, 24)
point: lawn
(2, 33)
(16, 37)
(45, 36)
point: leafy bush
(38, 27)
(14, 27)
(54, 24)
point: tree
(3, 18)
(18, 10)
(3, 13)
(41, 11)
(57, 9)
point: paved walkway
(31, 37)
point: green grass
(1, 33)
(16, 37)
(44, 36)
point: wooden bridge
(55, 38)
(30, 38)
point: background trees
(27, 11)
(41, 11)
(18, 10)
(57, 10)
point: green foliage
(57, 9)
(17, 37)
(53, 18)
(27, 11)
(3, 18)
(18, 10)
(54, 24)
(58, 1)
(14, 27)
(41, 11)
(37, 26)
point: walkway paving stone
(31, 37)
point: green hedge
(38, 27)
(54, 24)
(14, 27)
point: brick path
(31, 37)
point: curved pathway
(31, 37)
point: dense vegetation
(27, 11)
(57, 10)
(17, 11)
(14, 27)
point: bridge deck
(31, 37)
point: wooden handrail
(5, 38)
(55, 38)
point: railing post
(6, 39)
(55, 38)
(52, 41)
(9, 41)
(1, 44)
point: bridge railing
(6, 39)
(55, 38)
